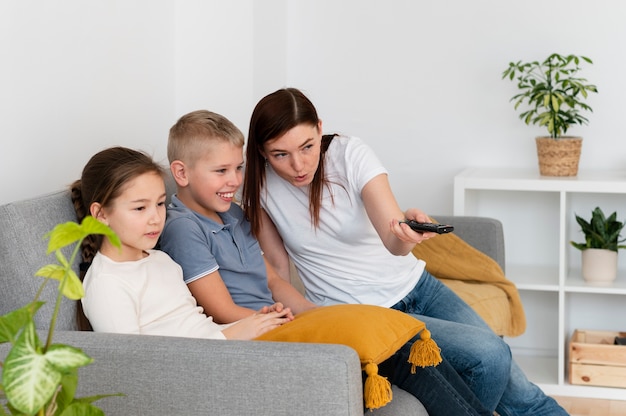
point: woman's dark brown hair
(102, 180)
(272, 117)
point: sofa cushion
(375, 332)
(490, 302)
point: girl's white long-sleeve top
(147, 296)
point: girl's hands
(277, 307)
(404, 233)
(258, 324)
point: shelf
(591, 392)
(529, 180)
(537, 214)
(576, 284)
(546, 279)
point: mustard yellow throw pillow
(374, 332)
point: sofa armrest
(186, 376)
(483, 233)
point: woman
(325, 203)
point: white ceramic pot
(599, 265)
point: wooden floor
(577, 406)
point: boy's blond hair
(195, 131)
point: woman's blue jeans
(480, 357)
(439, 388)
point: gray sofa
(167, 375)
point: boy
(207, 234)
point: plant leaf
(63, 235)
(69, 382)
(70, 232)
(91, 399)
(29, 379)
(82, 409)
(14, 321)
(66, 358)
(551, 85)
(90, 225)
(73, 288)
(52, 271)
(601, 232)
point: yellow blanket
(447, 256)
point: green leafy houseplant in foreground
(553, 91)
(601, 232)
(41, 378)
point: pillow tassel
(377, 389)
(424, 352)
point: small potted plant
(554, 94)
(599, 251)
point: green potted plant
(41, 378)
(599, 251)
(555, 96)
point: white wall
(77, 77)
(418, 80)
(214, 58)
(421, 81)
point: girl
(326, 203)
(135, 289)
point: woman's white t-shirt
(147, 296)
(344, 259)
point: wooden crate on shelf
(594, 360)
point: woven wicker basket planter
(558, 157)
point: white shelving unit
(538, 218)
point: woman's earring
(266, 163)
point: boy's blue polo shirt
(201, 246)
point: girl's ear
(179, 172)
(98, 213)
(319, 126)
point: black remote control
(421, 227)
